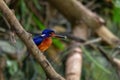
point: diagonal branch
(27, 39)
(75, 12)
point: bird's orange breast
(45, 44)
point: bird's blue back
(38, 39)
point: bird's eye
(52, 34)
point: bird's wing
(38, 39)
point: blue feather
(45, 34)
(38, 39)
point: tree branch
(27, 39)
(74, 59)
(74, 11)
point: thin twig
(111, 60)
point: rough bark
(27, 39)
(2, 67)
(74, 65)
(74, 11)
(74, 60)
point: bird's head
(50, 33)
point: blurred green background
(36, 15)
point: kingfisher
(44, 40)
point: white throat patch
(43, 35)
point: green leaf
(94, 61)
(39, 23)
(116, 14)
(28, 22)
(58, 44)
(117, 3)
(36, 2)
(116, 11)
(23, 8)
(12, 67)
(40, 70)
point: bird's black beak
(59, 36)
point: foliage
(116, 12)
(95, 67)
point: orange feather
(46, 43)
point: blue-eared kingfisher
(44, 40)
